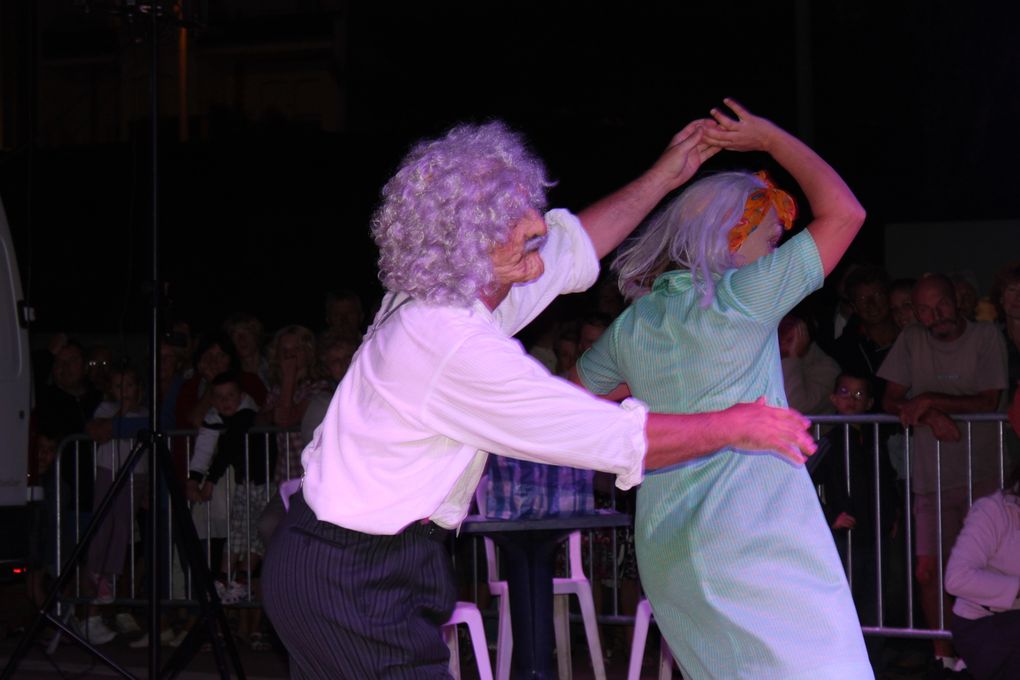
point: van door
(15, 378)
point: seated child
(223, 442)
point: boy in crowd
(846, 465)
(223, 442)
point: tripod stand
(212, 624)
(212, 621)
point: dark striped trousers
(356, 606)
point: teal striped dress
(733, 551)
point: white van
(15, 376)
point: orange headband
(757, 206)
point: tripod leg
(212, 619)
(68, 570)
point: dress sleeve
(598, 367)
(492, 396)
(771, 286)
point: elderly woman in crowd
(357, 580)
(734, 554)
(293, 380)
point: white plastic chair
(575, 584)
(642, 617)
(468, 614)
(497, 589)
(504, 634)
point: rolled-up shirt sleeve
(492, 396)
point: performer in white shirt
(356, 579)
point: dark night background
(299, 111)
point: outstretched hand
(686, 152)
(760, 427)
(747, 133)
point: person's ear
(832, 398)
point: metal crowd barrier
(180, 586)
(909, 625)
(177, 578)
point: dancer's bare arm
(679, 438)
(613, 218)
(837, 216)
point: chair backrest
(574, 555)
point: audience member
(808, 372)
(872, 330)
(62, 409)
(1006, 294)
(245, 331)
(345, 314)
(292, 382)
(984, 574)
(900, 303)
(965, 289)
(565, 349)
(108, 549)
(831, 311)
(213, 355)
(97, 369)
(335, 354)
(944, 365)
(223, 443)
(848, 466)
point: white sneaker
(126, 624)
(178, 639)
(96, 631)
(166, 637)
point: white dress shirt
(432, 388)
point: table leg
(529, 558)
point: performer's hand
(207, 490)
(686, 152)
(844, 521)
(747, 133)
(760, 427)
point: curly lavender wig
(451, 201)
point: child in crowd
(109, 547)
(845, 468)
(224, 442)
